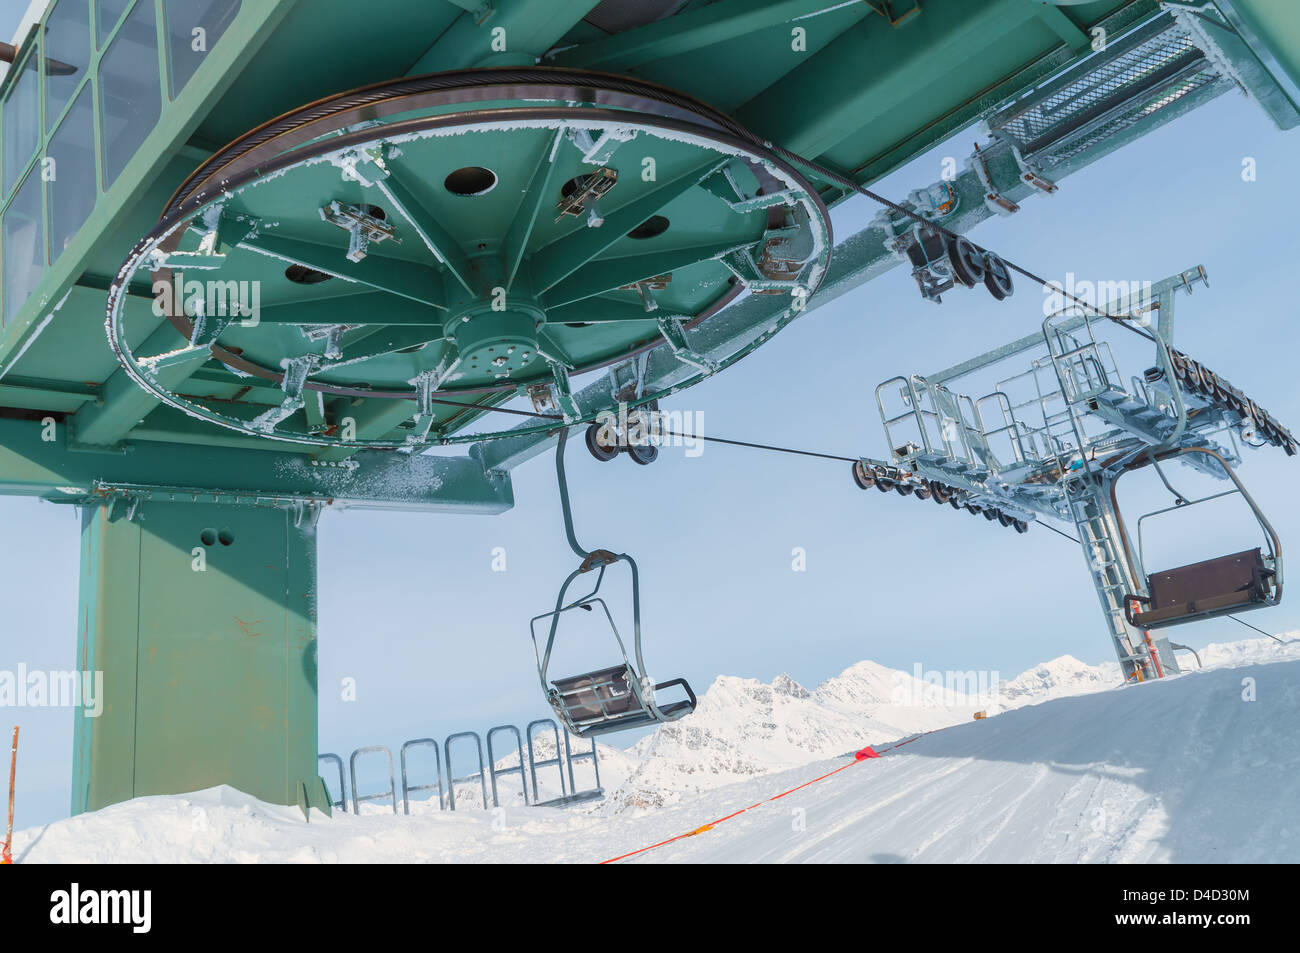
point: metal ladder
(1098, 534)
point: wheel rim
(997, 278)
(966, 261)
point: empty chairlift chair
(1237, 582)
(619, 696)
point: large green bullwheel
(384, 268)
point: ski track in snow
(1181, 770)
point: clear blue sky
(438, 642)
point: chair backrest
(1238, 572)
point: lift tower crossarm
(1159, 299)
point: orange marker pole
(7, 856)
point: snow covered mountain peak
(783, 684)
(1064, 675)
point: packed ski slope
(1204, 767)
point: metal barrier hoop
(494, 771)
(451, 777)
(379, 795)
(407, 787)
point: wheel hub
(498, 343)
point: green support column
(202, 618)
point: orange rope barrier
(6, 855)
(865, 754)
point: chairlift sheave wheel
(644, 454)
(598, 450)
(967, 262)
(997, 277)
(863, 476)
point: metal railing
(488, 771)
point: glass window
(70, 171)
(129, 94)
(21, 124)
(24, 245)
(67, 54)
(193, 28)
(107, 13)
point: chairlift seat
(609, 699)
(1205, 589)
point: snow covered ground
(1200, 767)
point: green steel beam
(963, 115)
(125, 403)
(690, 31)
(517, 34)
(32, 466)
(1272, 29)
(373, 418)
(44, 393)
(898, 63)
(1266, 61)
(1065, 28)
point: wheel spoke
(614, 273)
(404, 279)
(539, 190)
(365, 307)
